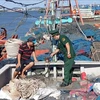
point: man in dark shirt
(26, 50)
(65, 46)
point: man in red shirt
(26, 50)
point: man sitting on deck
(24, 57)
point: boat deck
(90, 67)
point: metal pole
(53, 26)
(70, 8)
(40, 21)
(76, 1)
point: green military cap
(54, 32)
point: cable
(80, 28)
(20, 23)
(26, 13)
(25, 4)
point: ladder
(55, 5)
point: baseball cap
(31, 39)
(54, 32)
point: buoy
(83, 74)
(74, 11)
(74, 79)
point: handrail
(41, 63)
(6, 67)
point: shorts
(23, 63)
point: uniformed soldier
(65, 46)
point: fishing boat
(55, 68)
(88, 12)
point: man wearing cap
(24, 57)
(65, 46)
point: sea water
(18, 23)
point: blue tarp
(82, 44)
(97, 35)
(89, 32)
(98, 98)
(82, 57)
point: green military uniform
(68, 62)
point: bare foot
(23, 76)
